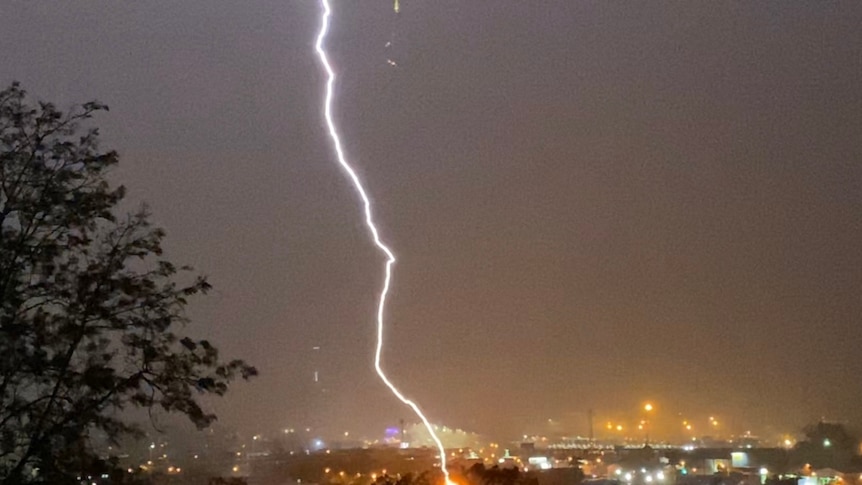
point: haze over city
(594, 205)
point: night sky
(593, 204)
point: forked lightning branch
(372, 228)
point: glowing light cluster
(369, 221)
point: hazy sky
(593, 203)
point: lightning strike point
(372, 229)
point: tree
(827, 445)
(829, 435)
(407, 479)
(90, 309)
(495, 475)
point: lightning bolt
(372, 228)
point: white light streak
(369, 221)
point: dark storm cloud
(593, 203)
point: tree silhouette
(827, 445)
(407, 479)
(829, 435)
(89, 308)
(480, 475)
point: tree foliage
(423, 478)
(829, 435)
(478, 474)
(89, 308)
(830, 445)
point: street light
(648, 407)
